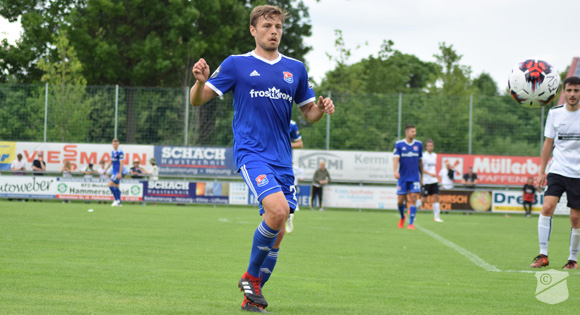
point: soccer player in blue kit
(116, 157)
(407, 167)
(265, 85)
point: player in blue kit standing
(265, 84)
(407, 167)
(116, 157)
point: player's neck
(409, 140)
(572, 108)
(268, 55)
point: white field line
(469, 255)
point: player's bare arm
(298, 144)
(421, 171)
(200, 93)
(396, 167)
(314, 112)
(546, 153)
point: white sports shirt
(446, 182)
(429, 165)
(564, 127)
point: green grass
(58, 259)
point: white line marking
(471, 256)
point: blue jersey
(294, 131)
(116, 158)
(409, 155)
(264, 92)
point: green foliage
(485, 85)
(453, 78)
(66, 93)
(21, 113)
(391, 72)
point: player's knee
(575, 218)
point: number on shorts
(293, 191)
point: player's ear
(253, 30)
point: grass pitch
(59, 258)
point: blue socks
(264, 239)
(116, 193)
(413, 211)
(402, 210)
(268, 265)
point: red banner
(493, 169)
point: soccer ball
(533, 83)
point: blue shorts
(114, 178)
(404, 187)
(265, 179)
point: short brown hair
(409, 127)
(268, 12)
(571, 81)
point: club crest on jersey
(288, 77)
(261, 180)
(415, 148)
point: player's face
(430, 146)
(268, 32)
(115, 145)
(411, 133)
(572, 94)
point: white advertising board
(511, 201)
(363, 197)
(46, 187)
(355, 166)
(80, 155)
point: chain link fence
(163, 116)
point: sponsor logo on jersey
(216, 72)
(288, 77)
(262, 180)
(254, 74)
(272, 93)
(410, 154)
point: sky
(491, 35)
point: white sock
(436, 210)
(574, 244)
(418, 204)
(544, 230)
(290, 216)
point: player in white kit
(562, 134)
(430, 183)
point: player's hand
(397, 175)
(325, 105)
(540, 181)
(201, 71)
(119, 176)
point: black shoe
(253, 291)
(251, 307)
(540, 261)
(571, 264)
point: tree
(67, 94)
(455, 79)
(485, 85)
(140, 43)
(39, 20)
